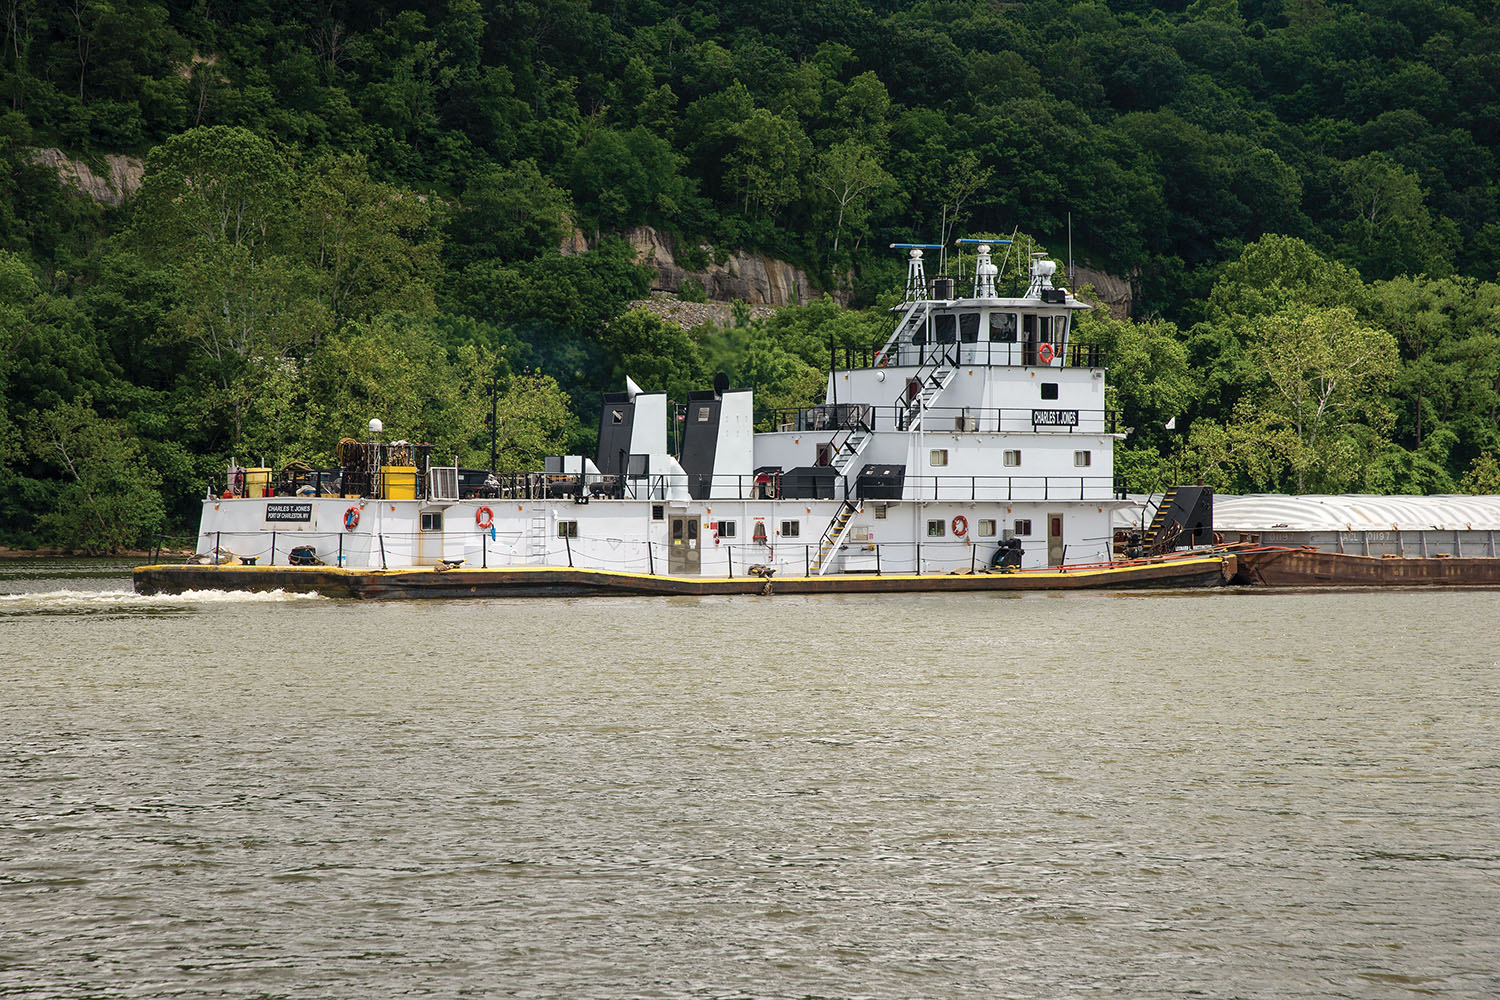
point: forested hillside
(355, 210)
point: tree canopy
(1283, 186)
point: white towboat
(976, 438)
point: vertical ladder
(833, 537)
(538, 539)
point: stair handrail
(833, 535)
(892, 349)
(927, 375)
(835, 446)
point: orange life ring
(960, 526)
(1044, 352)
(351, 518)
(484, 517)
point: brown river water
(1226, 794)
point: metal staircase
(846, 448)
(914, 317)
(833, 536)
(934, 375)
(1185, 516)
(1156, 540)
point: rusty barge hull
(1198, 572)
(1302, 567)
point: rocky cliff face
(122, 176)
(751, 277)
(1113, 290)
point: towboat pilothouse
(974, 444)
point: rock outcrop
(1112, 290)
(121, 180)
(690, 314)
(751, 277)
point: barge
(1363, 541)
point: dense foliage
(354, 211)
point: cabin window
(432, 520)
(726, 529)
(944, 328)
(616, 416)
(658, 512)
(703, 414)
(986, 527)
(1012, 458)
(791, 529)
(1083, 459)
(938, 458)
(567, 529)
(1028, 326)
(937, 529)
(1044, 328)
(1023, 525)
(1049, 390)
(1059, 328)
(1003, 327)
(968, 328)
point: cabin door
(684, 554)
(430, 537)
(1055, 547)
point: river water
(1228, 794)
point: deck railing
(960, 419)
(788, 556)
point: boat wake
(89, 600)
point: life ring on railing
(960, 526)
(351, 518)
(484, 517)
(1044, 352)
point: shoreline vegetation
(304, 218)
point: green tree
(1324, 373)
(510, 214)
(1483, 476)
(659, 356)
(1390, 230)
(370, 245)
(766, 164)
(851, 176)
(107, 499)
(213, 210)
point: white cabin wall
(648, 428)
(734, 452)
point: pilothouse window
(944, 328)
(968, 328)
(1003, 327)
